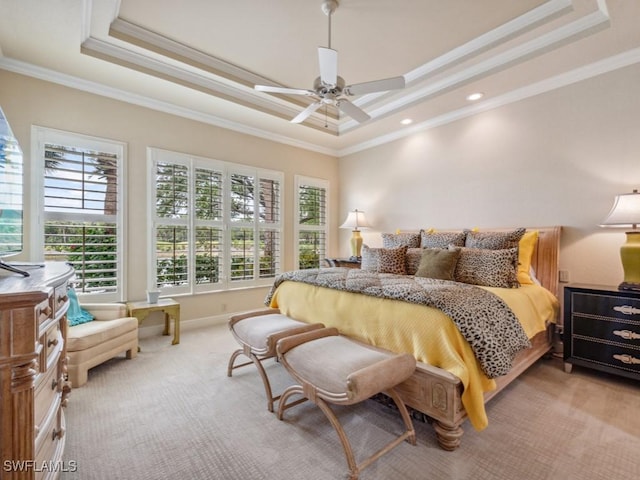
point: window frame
(44, 135)
(300, 180)
(193, 162)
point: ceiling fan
(329, 88)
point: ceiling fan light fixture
(329, 88)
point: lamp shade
(625, 211)
(355, 220)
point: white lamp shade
(355, 220)
(625, 211)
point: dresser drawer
(606, 354)
(48, 387)
(60, 300)
(625, 333)
(50, 442)
(606, 305)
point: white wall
(555, 159)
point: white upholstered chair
(89, 344)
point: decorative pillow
(384, 260)
(431, 239)
(400, 239)
(489, 268)
(494, 240)
(438, 263)
(76, 314)
(525, 252)
(412, 260)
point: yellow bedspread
(424, 331)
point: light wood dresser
(33, 386)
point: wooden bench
(258, 332)
(333, 369)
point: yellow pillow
(525, 252)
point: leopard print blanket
(485, 321)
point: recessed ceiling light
(475, 96)
(406, 121)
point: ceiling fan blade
(353, 111)
(392, 83)
(288, 91)
(328, 65)
(302, 116)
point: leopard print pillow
(488, 268)
(494, 240)
(384, 260)
(394, 240)
(441, 239)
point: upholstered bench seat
(258, 332)
(333, 369)
(90, 344)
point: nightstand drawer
(608, 329)
(606, 354)
(609, 305)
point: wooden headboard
(546, 257)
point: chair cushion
(256, 331)
(87, 335)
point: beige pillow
(438, 263)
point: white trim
(314, 182)
(42, 135)
(586, 72)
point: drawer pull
(57, 433)
(46, 311)
(52, 342)
(54, 383)
(627, 310)
(627, 334)
(628, 359)
(63, 298)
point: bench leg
(354, 468)
(258, 363)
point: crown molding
(625, 59)
(70, 81)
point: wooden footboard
(438, 393)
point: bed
(458, 387)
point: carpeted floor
(172, 413)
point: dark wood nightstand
(602, 329)
(343, 262)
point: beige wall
(27, 101)
(555, 159)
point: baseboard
(152, 330)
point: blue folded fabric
(76, 314)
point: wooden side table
(169, 306)
(343, 262)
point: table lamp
(626, 213)
(355, 220)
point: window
(216, 225)
(79, 192)
(311, 221)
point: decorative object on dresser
(602, 329)
(626, 214)
(355, 220)
(33, 389)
